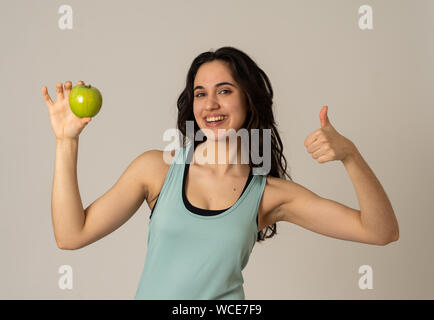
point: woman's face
(216, 93)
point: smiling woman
(206, 217)
(229, 82)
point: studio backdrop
(370, 62)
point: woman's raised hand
(65, 124)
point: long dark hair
(259, 94)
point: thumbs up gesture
(326, 144)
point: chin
(217, 136)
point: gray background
(377, 84)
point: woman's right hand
(65, 124)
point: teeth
(215, 118)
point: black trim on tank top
(197, 210)
(152, 211)
(206, 212)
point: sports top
(194, 253)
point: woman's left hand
(326, 144)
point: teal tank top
(193, 253)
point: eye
(197, 96)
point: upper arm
(119, 203)
(330, 218)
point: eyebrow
(217, 85)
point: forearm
(376, 210)
(66, 206)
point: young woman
(207, 216)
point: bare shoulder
(154, 164)
(277, 192)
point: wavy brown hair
(259, 94)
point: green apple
(85, 101)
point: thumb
(86, 120)
(323, 117)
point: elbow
(68, 241)
(395, 237)
(389, 240)
(65, 246)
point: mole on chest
(218, 199)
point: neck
(223, 156)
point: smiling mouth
(215, 121)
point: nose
(211, 104)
